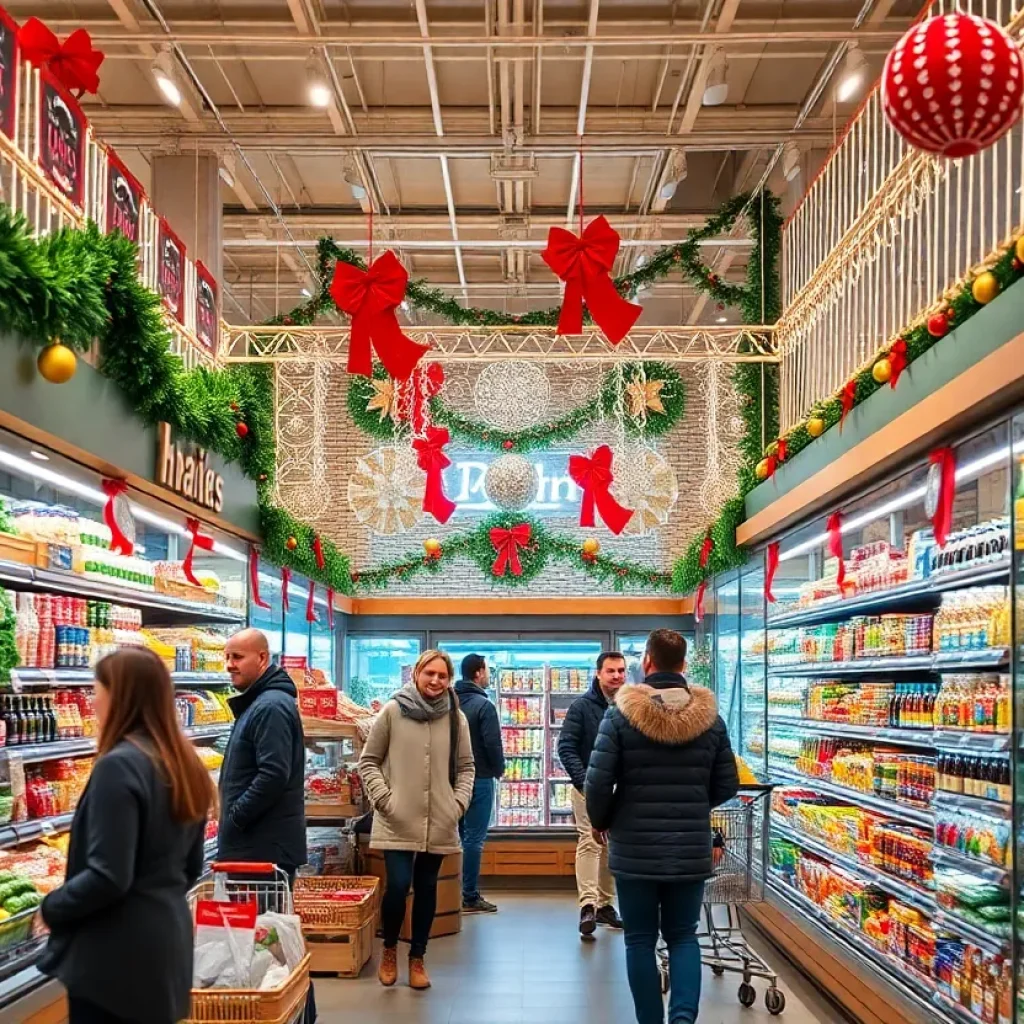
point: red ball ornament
(233, 407)
(938, 325)
(1016, 264)
(241, 429)
(953, 85)
(508, 444)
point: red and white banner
(61, 138)
(207, 317)
(124, 199)
(8, 74)
(170, 277)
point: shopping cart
(740, 834)
(266, 885)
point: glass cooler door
(376, 667)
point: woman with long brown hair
(120, 926)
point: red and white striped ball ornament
(953, 85)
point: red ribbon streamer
(318, 552)
(254, 579)
(431, 458)
(74, 63)
(897, 360)
(771, 463)
(370, 298)
(942, 521)
(705, 551)
(705, 554)
(584, 263)
(415, 394)
(310, 607)
(835, 545)
(594, 476)
(847, 397)
(200, 541)
(118, 541)
(330, 608)
(698, 609)
(783, 451)
(769, 575)
(286, 578)
(507, 544)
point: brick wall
(683, 448)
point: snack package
(224, 944)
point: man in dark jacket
(662, 761)
(485, 733)
(579, 731)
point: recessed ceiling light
(854, 75)
(723, 320)
(307, 292)
(41, 456)
(164, 74)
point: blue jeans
(473, 832)
(408, 870)
(675, 907)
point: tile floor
(526, 965)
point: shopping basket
(267, 885)
(739, 831)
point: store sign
(61, 139)
(206, 308)
(170, 275)
(8, 73)
(124, 199)
(557, 494)
(187, 473)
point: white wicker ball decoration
(512, 395)
(511, 482)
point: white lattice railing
(882, 233)
(25, 187)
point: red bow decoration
(318, 552)
(415, 394)
(897, 360)
(942, 520)
(431, 458)
(835, 546)
(847, 397)
(370, 298)
(594, 476)
(310, 609)
(769, 575)
(705, 554)
(119, 543)
(507, 544)
(74, 63)
(286, 578)
(584, 264)
(254, 579)
(783, 449)
(771, 464)
(330, 608)
(200, 541)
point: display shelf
(54, 581)
(82, 747)
(16, 833)
(955, 925)
(944, 661)
(918, 738)
(901, 598)
(945, 857)
(22, 677)
(971, 742)
(945, 800)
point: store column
(186, 193)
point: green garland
(362, 390)
(544, 546)
(8, 647)
(684, 256)
(81, 286)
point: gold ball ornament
(985, 287)
(761, 470)
(57, 363)
(882, 371)
(815, 426)
(591, 546)
(1019, 248)
(432, 546)
(291, 543)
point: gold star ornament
(644, 396)
(383, 398)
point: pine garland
(8, 647)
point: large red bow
(431, 458)
(414, 395)
(254, 579)
(119, 543)
(370, 297)
(200, 541)
(74, 63)
(507, 544)
(584, 264)
(594, 476)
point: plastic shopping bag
(224, 944)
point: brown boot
(418, 977)
(387, 972)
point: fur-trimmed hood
(671, 715)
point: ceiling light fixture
(716, 88)
(317, 88)
(307, 293)
(39, 455)
(854, 74)
(723, 320)
(790, 161)
(166, 79)
(675, 172)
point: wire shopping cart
(267, 886)
(740, 853)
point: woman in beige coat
(417, 770)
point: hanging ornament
(584, 264)
(414, 395)
(508, 543)
(254, 579)
(593, 475)
(940, 491)
(644, 396)
(512, 395)
(953, 85)
(897, 361)
(761, 470)
(985, 287)
(511, 482)
(771, 565)
(846, 399)
(74, 63)
(882, 371)
(370, 297)
(318, 552)
(646, 483)
(431, 458)
(815, 426)
(241, 429)
(432, 546)
(117, 514)
(834, 528)
(311, 603)
(1019, 249)
(384, 399)
(781, 449)
(385, 492)
(938, 325)
(591, 547)
(707, 546)
(57, 363)
(286, 582)
(198, 540)
(291, 543)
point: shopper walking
(489, 761)
(662, 761)
(120, 925)
(594, 883)
(417, 770)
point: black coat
(262, 805)
(484, 729)
(579, 733)
(120, 926)
(661, 762)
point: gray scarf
(415, 706)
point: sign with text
(124, 199)
(187, 471)
(8, 74)
(61, 139)
(170, 276)
(207, 320)
(557, 494)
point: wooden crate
(332, 811)
(342, 952)
(320, 913)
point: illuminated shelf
(22, 677)
(944, 661)
(81, 747)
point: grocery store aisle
(526, 965)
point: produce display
(331, 784)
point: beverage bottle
(1004, 787)
(1004, 1001)
(940, 771)
(10, 724)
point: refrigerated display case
(376, 667)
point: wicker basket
(251, 1006)
(320, 914)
